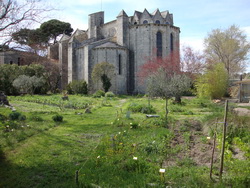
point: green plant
(11, 125)
(106, 82)
(213, 83)
(175, 108)
(103, 72)
(99, 94)
(134, 125)
(36, 118)
(57, 118)
(22, 118)
(142, 108)
(2, 117)
(14, 115)
(161, 122)
(136, 165)
(109, 94)
(187, 162)
(69, 89)
(77, 87)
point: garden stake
(76, 178)
(224, 139)
(162, 171)
(212, 159)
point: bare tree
(229, 47)
(192, 62)
(17, 14)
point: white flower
(124, 131)
(98, 157)
(131, 123)
(162, 170)
(134, 158)
(119, 133)
(208, 138)
(153, 142)
(7, 126)
(12, 130)
(27, 125)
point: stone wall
(142, 41)
(63, 63)
(10, 57)
(53, 51)
(111, 55)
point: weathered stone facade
(123, 42)
(10, 57)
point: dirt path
(122, 101)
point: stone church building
(123, 42)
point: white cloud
(195, 42)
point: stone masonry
(123, 42)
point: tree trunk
(148, 101)
(178, 99)
(166, 108)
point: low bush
(109, 94)
(14, 115)
(57, 118)
(141, 108)
(99, 94)
(77, 87)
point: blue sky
(196, 18)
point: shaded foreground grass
(102, 146)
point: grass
(101, 146)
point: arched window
(135, 23)
(145, 22)
(171, 42)
(157, 22)
(18, 61)
(159, 44)
(119, 64)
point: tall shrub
(213, 83)
(77, 87)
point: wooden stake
(212, 158)
(76, 177)
(224, 139)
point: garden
(109, 141)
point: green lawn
(101, 147)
